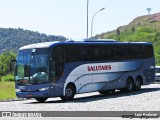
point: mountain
(143, 29)
(134, 31)
(12, 39)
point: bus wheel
(69, 93)
(129, 85)
(138, 83)
(41, 100)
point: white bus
(63, 69)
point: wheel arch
(72, 84)
(130, 77)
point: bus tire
(138, 83)
(69, 93)
(41, 100)
(129, 85)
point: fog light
(18, 90)
(43, 89)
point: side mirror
(12, 65)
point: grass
(7, 90)
(7, 78)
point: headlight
(18, 90)
(43, 89)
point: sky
(69, 17)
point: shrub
(147, 29)
(7, 78)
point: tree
(148, 9)
(5, 62)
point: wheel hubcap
(68, 92)
(137, 83)
(130, 86)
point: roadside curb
(15, 99)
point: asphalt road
(147, 99)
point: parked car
(157, 72)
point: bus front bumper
(33, 94)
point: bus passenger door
(58, 60)
(56, 70)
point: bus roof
(38, 45)
(87, 41)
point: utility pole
(87, 17)
(93, 19)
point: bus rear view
(64, 69)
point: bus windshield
(32, 66)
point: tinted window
(72, 53)
(147, 51)
(86, 53)
(77, 53)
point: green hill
(12, 39)
(144, 28)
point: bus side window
(147, 51)
(86, 53)
(107, 52)
(96, 53)
(72, 53)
